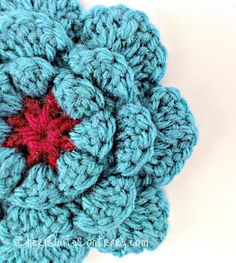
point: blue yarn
(129, 33)
(31, 76)
(64, 11)
(151, 208)
(95, 135)
(42, 226)
(97, 216)
(12, 165)
(40, 189)
(77, 97)
(109, 69)
(26, 42)
(136, 136)
(10, 100)
(5, 130)
(104, 69)
(77, 172)
(176, 136)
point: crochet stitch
(88, 135)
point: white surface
(200, 36)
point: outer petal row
(108, 204)
(28, 235)
(176, 134)
(129, 33)
(145, 228)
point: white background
(200, 36)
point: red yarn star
(41, 131)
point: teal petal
(109, 71)
(130, 33)
(107, 205)
(11, 102)
(39, 189)
(134, 140)
(77, 172)
(31, 76)
(95, 134)
(29, 235)
(66, 12)
(12, 166)
(76, 96)
(26, 42)
(176, 134)
(144, 229)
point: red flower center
(41, 131)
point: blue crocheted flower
(88, 135)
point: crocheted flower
(88, 136)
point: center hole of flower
(43, 135)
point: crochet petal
(107, 205)
(107, 70)
(29, 34)
(5, 131)
(176, 134)
(94, 135)
(130, 33)
(134, 139)
(77, 172)
(145, 228)
(31, 76)
(66, 12)
(76, 96)
(28, 235)
(10, 101)
(12, 165)
(39, 189)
